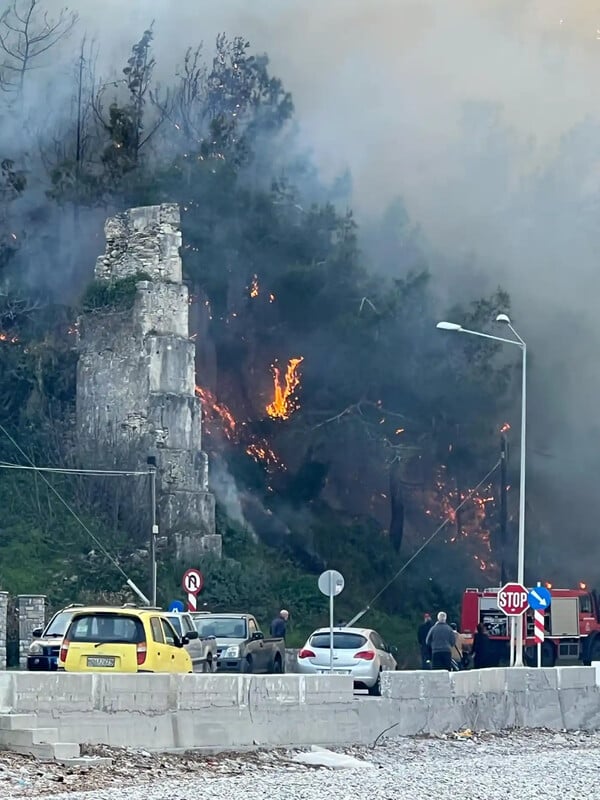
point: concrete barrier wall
(232, 711)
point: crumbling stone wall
(32, 615)
(136, 377)
(3, 628)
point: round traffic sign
(539, 598)
(512, 599)
(331, 582)
(192, 581)
(176, 606)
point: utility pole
(154, 534)
(503, 504)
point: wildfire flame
(284, 404)
(471, 523)
(254, 290)
(214, 412)
(4, 337)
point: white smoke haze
(483, 118)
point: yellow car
(126, 639)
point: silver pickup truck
(202, 649)
(241, 646)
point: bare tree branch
(25, 35)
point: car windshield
(59, 624)
(221, 627)
(107, 628)
(341, 641)
(176, 623)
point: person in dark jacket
(422, 632)
(279, 624)
(441, 639)
(481, 648)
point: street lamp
(504, 318)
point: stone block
(44, 692)
(176, 421)
(467, 684)
(323, 688)
(397, 685)
(517, 679)
(3, 628)
(171, 364)
(161, 308)
(31, 609)
(17, 722)
(139, 693)
(276, 690)
(580, 708)
(436, 684)
(576, 677)
(203, 691)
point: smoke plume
(479, 117)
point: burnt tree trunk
(396, 532)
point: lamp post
(452, 326)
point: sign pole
(539, 644)
(511, 659)
(331, 583)
(331, 593)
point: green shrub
(117, 295)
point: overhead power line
(73, 513)
(66, 471)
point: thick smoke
(478, 116)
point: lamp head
(503, 318)
(449, 326)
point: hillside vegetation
(388, 423)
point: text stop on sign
(513, 599)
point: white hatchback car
(360, 652)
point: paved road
(524, 765)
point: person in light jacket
(441, 640)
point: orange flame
(254, 290)
(256, 447)
(284, 404)
(4, 337)
(214, 410)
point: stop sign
(512, 599)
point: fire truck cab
(572, 626)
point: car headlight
(232, 652)
(35, 649)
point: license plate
(335, 671)
(101, 661)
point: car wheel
(207, 666)
(277, 670)
(375, 690)
(247, 665)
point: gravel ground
(524, 765)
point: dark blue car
(44, 649)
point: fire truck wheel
(548, 654)
(593, 653)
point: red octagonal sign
(512, 599)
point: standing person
(481, 648)
(457, 649)
(441, 640)
(422, 632)
(279, 624)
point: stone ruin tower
(136, 378)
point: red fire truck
(572, 625)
